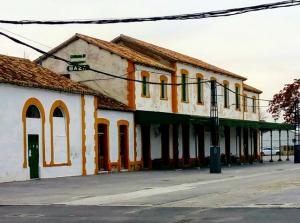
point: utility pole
(215, 158)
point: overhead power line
(91, 69)
(200, 15)
(51, 55)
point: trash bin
(297, 154)
(215, 160)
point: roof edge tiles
(121, 51)
(251, 89)
(178, 57)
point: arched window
(163, 87)
(33, 112)
(226, 93)
(60, 142)
(33, 108)
(200, 89)
(145, 76)
(58, 113)
(184, 86)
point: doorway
(175, 145)
(185, 144)
(227, 144)
(123, 146)
(33, 156)
(246, 146)
(103, 147)
(165, 144)
(201, 145)
(145, 133)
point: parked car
(267, 151)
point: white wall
(114, 117)
(98, 59)
(11, 132)
(153, 103)
(203, 110)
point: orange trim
(145, 74)
(245, 103)
(213, 78)
(38, 104)
(96, 135)
(62, 105)
(126, 123)
(239, 87)
(254, 104)
(131, 85)
(185, 72)
(83, 136)
(165, 79)
(107, 152)
(226, 82)
(198, 75)
(174, 91)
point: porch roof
(150, 117)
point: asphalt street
(268, 192)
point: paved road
(268, 192)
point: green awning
(150, 117)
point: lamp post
(279, 145)
(271, 134)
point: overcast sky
(262, 46)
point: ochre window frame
(163, 87)
(126, 123)
(245, 102)
(201, 77)
(147, 85)
(237, 96)
(226, 93)
(254, 106)
(106, 122)
(184, 87)
(38, 104)
(61, 105)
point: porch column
(271, 134)
(288, 146)
(279, 132)
(261, 146)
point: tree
(284, 102)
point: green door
(33, 155)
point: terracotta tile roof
(124, 52)
(178, 57)
(23, 72)
(26, 73)
(251, 89)
(105, 102)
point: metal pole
(271, 134)
(279, 145)
(261, 145)
(288, 146)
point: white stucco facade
(12, 134)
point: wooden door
(103, 147)
(33, 156)
(186, 144)
(165, 144)
(145, 132)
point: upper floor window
(245, 103)
(254, 104)
(237, 97)
(199, 88)
(226, 94)
(33, 112)
(184, 86)
(163, 87)
(145, 84)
